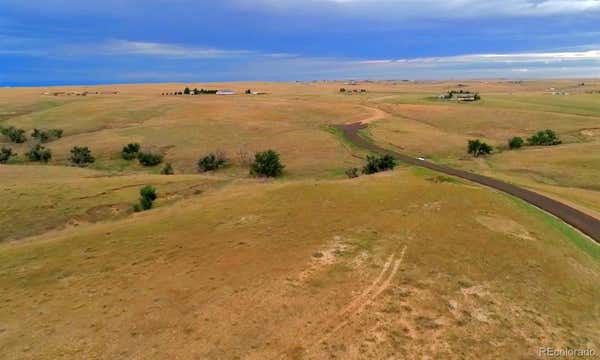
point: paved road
(584, 222)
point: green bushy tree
(516, 143)
(377, 164)
(6, 154)
(544, 138)
(478, 148)
(266, 164)
(149, 158)
(147, 196)
(130, 151)
(212, 162)
(39, 153)
(13, 134)
(81, 156)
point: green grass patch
(582, 242)
(339, 134)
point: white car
(421, 158)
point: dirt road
(581, 221)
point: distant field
(404, 264)
(440, 130)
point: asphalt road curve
(581, 221)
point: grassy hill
(402, 264)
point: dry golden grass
(237, 274)
(405, 264)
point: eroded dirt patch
(505, 226)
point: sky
(58, 42)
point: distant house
(465, 97)
(460, 95)
(225, 92)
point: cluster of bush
(37, 152)
(265, 164)
(188, 91)
(18, 135)
(344, 90)
(6, 154)
(375, 164)
(81, 156)
(13, 134)
(47, 135)
(541, 138)
(133, 151)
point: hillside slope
(404, 264)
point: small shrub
(212, 162)
(267, 164)
(342, 90)
(248, 92)
(130, 151)
(187, 91)
(167, 169)
(544, 138)
(13, 134)
(149, 159)
(377, 164)
(147, 197)
(6, 154)
(352, 173)
(39, 153)
(516, 143)
(81, 156)
(478, 148)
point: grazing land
(401, 264)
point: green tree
(130, 151)
(149, 158)
(516, 143)
(13, 134)
(81, 156)
(544, 138)
(6, 154)
(377, 164)
(266, 164)
(187, 91)
(147, 196)
(39, 153)
(478, 148)
(212, 162)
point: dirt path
(581, 221)
(350, 312)
(378, 114)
